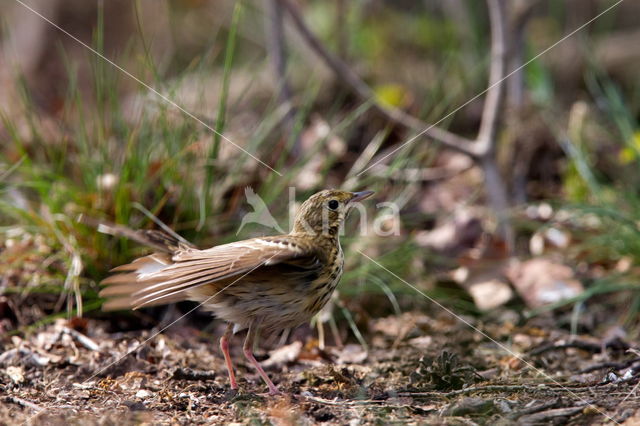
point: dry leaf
(542, 281)
(489, 294)
(284, 355)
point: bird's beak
(359, 196)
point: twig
(419, 174)
(486, 142)
(483, 149)
(93, 387)
(354, 403)
(23, 402)
(191, 374)
(547, 416)
(350, 79)
(471, 389)
(582, 387)
(577, 344)
(536, 408)
(82, 339)
(633, 391)
(609, 365)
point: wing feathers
(161, 278)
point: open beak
(359, 196)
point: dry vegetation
(509, 295)
(418, 369)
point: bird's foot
(273, 391)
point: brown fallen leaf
(284, 355)
(422, 342)
(542, 281)
(481, 274)
(490, 293)
(350, 354)
(455, 235)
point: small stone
(143, 393)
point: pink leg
(224, 345)
(248, 352)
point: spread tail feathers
(124, 288)
(128, 288)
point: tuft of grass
(603, 199)
(208, 188)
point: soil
(418, 369)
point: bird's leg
(224, 345)
(248, 352)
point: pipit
(265, 284)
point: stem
(220, 120)
(352, 81)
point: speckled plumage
(267, 283)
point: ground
(418, 369)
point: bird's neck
(324, 231)
(331, 234)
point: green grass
(160, 160)
(186, 177)
(602, 198)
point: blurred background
(111, 119)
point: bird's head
(326, 211)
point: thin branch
(351, 80)
(529, 388)
(486, 142)
(482, 150)
(23, 403)
(594, 347)
(497, 73)
(610, 366)
(497, 195)
(426, 174)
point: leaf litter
(419, 369)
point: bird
(264, 284)
(260, 213)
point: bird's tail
(128, 287)
(133, 281)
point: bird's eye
(333, 204)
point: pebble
(142, 393)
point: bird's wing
(160, 278)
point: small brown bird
(262, 284)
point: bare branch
(482, 150)
(351, 80)
(486, 141)
(493, 104)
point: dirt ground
(418, 369)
